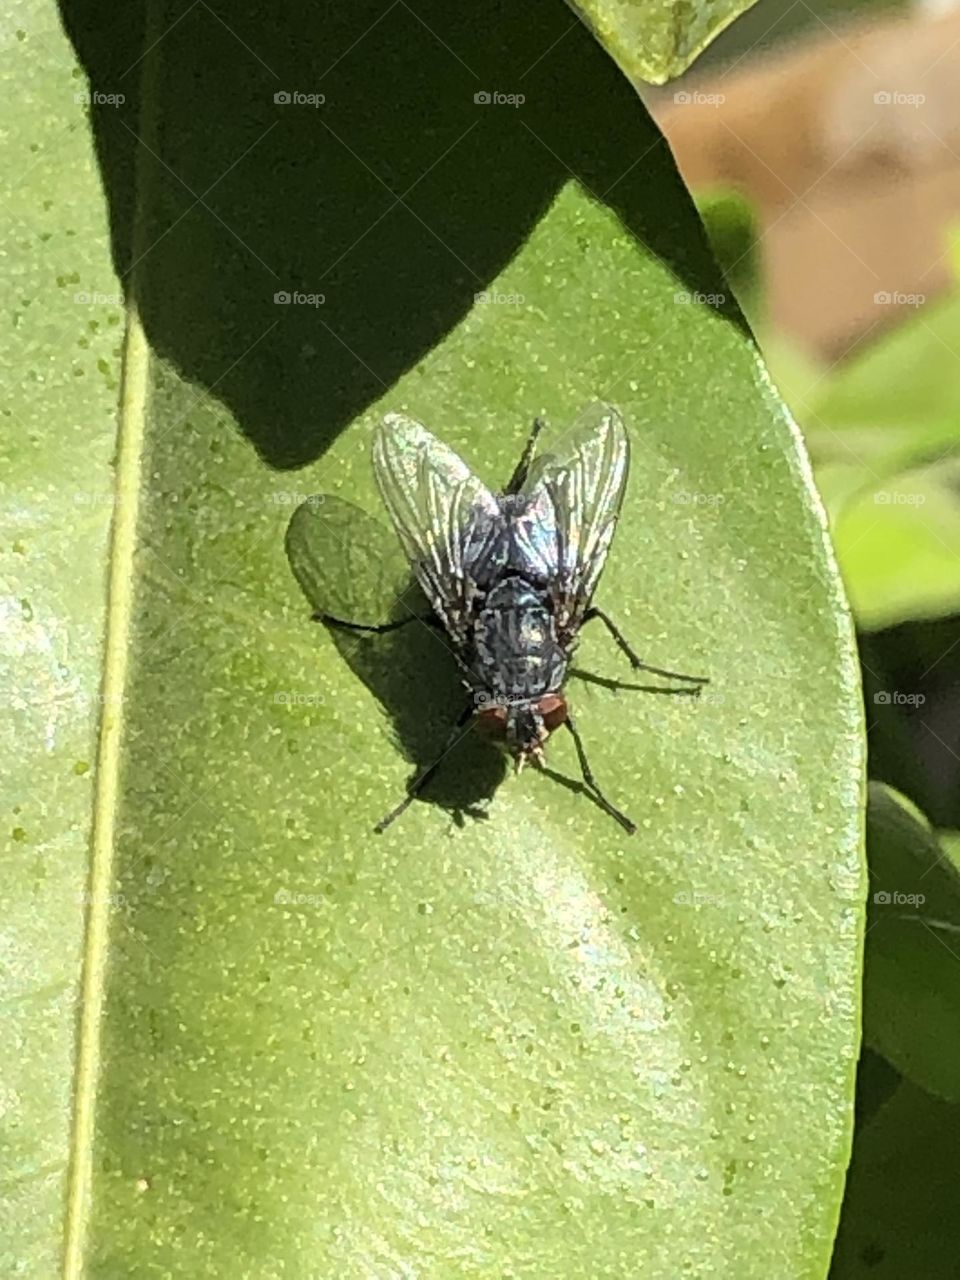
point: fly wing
(446, 519)
(574, 500)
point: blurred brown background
(848, 145)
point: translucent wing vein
(576, 495)
(439, 509)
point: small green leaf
(911, 992)
(733, 230)
(897, 404)
(657, 42)
(884, 431)
(899, 1215)
(877, 1081)
(896, 541)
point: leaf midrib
(119, 616)
(106, 795)
(119, 624)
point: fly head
(522, 728)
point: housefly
(510, 577)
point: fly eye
(492, 721)
(553, 709)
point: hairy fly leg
(591, 781)
(635, 662)
(415, 787)
(519, 478)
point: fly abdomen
(517, 652)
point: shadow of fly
(510, 577)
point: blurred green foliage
(883, 432)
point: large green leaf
(62, 349)
(524, 1042)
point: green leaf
(657, 42)
(877, 1081)
(953, 251)
(899, 1214)
(57, 496)
(896, 541)
(733, 230)
(897, 404)
(883, 432)
(911, 993)
(527, 1044)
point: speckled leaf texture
(63, 319)
(504, 1038)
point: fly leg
(682, 691)
(591, 781)
(415, 787)
(632, 657)
(377, 629)
(519, 477)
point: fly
(510, 577)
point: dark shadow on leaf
(348, 564)
(397, 200)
